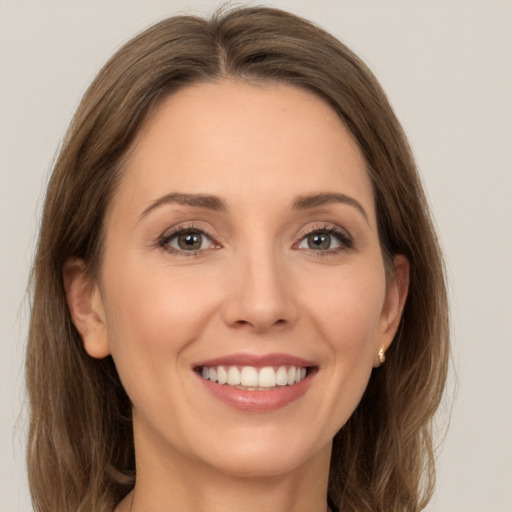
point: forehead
(244, 140)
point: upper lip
(256, 360)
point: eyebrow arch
(197, 200)
(314, 200)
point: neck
(174, 483)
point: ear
(396, 295)
(86, 307)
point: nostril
(259, 325)
(242, 323)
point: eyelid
(164, 239)
(343, 236)
(324, 226)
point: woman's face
(241, 246)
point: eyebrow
(198, 200)
(314, 200)
(214, 203)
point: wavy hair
(80, 451)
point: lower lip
(257, 401)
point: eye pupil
(190, 241)
(319, 241)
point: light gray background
(446, 66)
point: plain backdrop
(447, 68)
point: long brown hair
(80, 452)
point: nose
(259, 294)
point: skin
(256, 286)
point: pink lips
(257, 401)
(256, 360)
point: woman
(239, 300)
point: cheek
(153, 316)
(156, 301)
(347, 307)
(340, 314)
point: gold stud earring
(382, 355)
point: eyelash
(345, 240)
(164, 240)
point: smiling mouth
(252, 378)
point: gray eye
(319, 241)
(189, 240)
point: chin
(262, 452)
(261, 464)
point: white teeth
(222, 375)
(267, 377)
(252, 377)
(281, 376)
(249, 376)
(233, 376)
